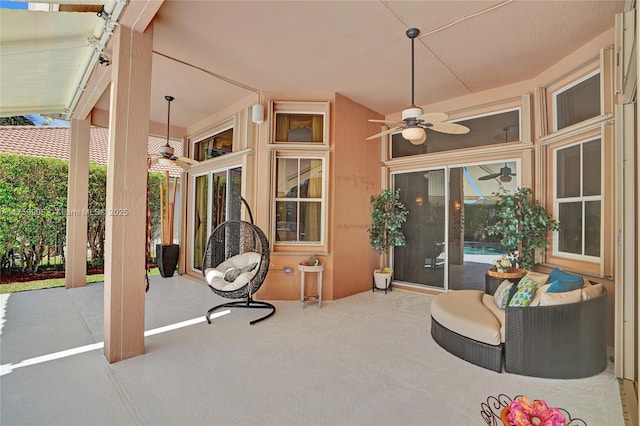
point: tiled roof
(53, 142)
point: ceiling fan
(504, 174)
(414, 121)
(167, 156)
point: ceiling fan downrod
(169, 99)
(412, 33)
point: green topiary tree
(387, 216)
(522, 225)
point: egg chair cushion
(233, 273)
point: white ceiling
(210, 54)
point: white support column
(77, 205)
(126, 207)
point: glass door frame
(192, 204)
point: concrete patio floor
(365, 359)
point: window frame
(299, 107)
(564, 89)
(301, 246)
(581, 198)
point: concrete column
(125, 239)
(77, 205)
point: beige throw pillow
(537, 277)
(591, 291)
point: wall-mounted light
(257, 114)
(457, 206)
(419, 200)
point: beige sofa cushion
(463, 312)
(563, 298)
(490, 303)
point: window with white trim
(577, 102)
(578, 198)
(299, 199)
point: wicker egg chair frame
(231, 238)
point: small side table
(311, 268)
(492, 280)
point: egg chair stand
(239, 245)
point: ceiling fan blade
(184, 165)
(491, 176)
(451, 128)
(373, 120)
(187, 160)
(386, 132)
(433, 117)
(155, 161)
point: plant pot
(167, 259)
(382, 280)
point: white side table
(309, 268)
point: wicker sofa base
(478, 353)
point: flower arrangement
(523, 412)
(502, 263)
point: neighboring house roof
(54, 142)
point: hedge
(33, 208)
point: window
(216, 198)
(299, 200)
(578, 198)
(495, 128)
(300, 124)
(299, 127)
(578, 102)
(214, 146)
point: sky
(39, 120)
(13, 4)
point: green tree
(387, 216)
(96, 212)
(18, 120)
(34, 199)
(522, 225)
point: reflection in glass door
(216, 198)
(422, 260)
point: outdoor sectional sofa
(556, 340)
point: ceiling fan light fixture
(414, 134)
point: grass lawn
(54, 282)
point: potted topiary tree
(387, 216)
(522, 225)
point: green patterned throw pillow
(524, 294)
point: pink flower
(522, 412)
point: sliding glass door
(449, 210)
(216, 198)
(423, 260)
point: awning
(46, 56)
